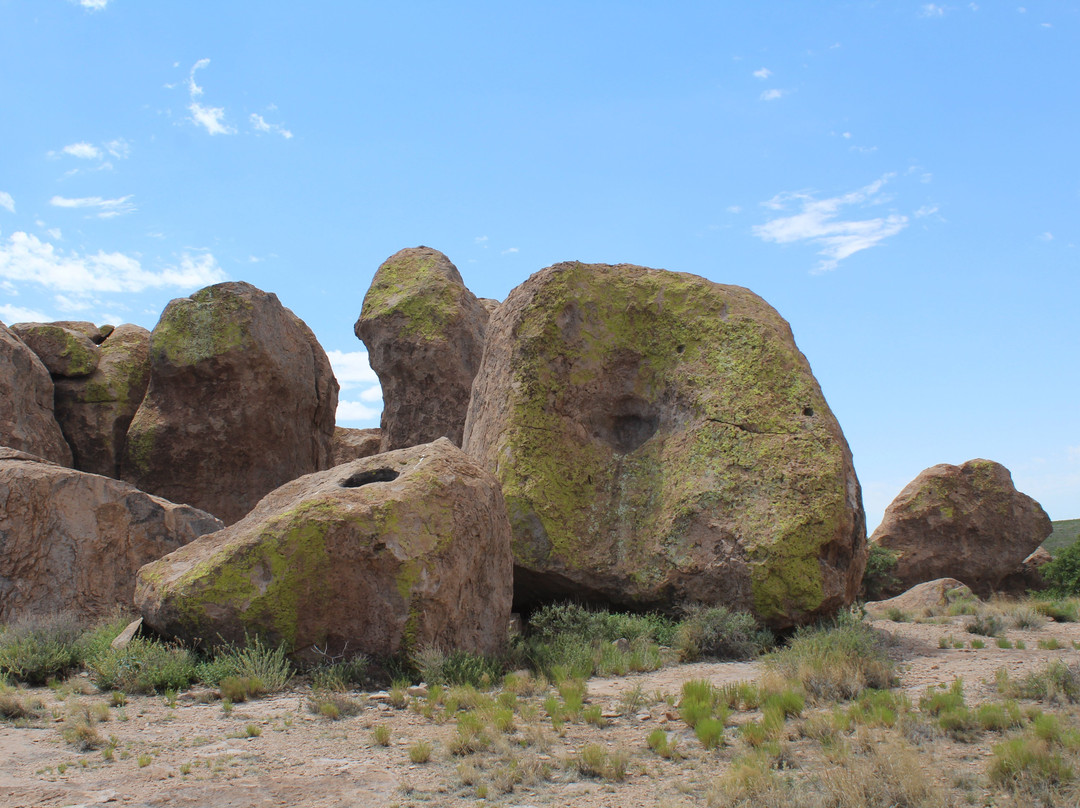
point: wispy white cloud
(931, 10)
(7, 202)
(17, 314)
(734, 208)
(25, 258)
(118, 148)
(481, 240)
(510, 251)
(355, 411)
(863, 149)
(94, 5)
(83, 150)
(763, 73)
(772, 95)
(259, 124)
(1047, 236)
(210, 118)
(926, 210)
(817, 222)
(106, 208)
(352, 369)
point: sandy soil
(275, 752)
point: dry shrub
(888, 774)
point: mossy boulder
(95, 411)
(383, 555)
(660, 440)
(73, 542)
(424, 332)
(67, 349)
(241, 399)
(967, 522)
(27, 418)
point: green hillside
(1065, 533)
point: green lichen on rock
(600, 470)
(139, 446)
(408, 288)
(209, 323)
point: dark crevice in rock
(753, 430)
(368, 477)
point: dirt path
(275, 752)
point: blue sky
(900, 180)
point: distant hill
(1065, 533)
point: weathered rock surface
(1028, 577)
(967, 522)
(424, 332)
(27, 419)
(354, 444)
(241, 399)
(382, 555)
(71, 541)
(65, 348)
(95, 411)
(660, 439)
(923, 599)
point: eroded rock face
(381, 555)
(922, 600)
(241, 399)
(27, 419)
(95, 411)
(967, 522)
(660, 439)
(424, 332)
(354, 444)
(1029, 577)
(71, 541)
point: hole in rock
(808, 411)
(625, 424)
(680, 348)
(366, 477)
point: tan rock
(27, 418)
(424, 332)
(922, 600)
(966, 522)
(660, 439)
(241, 399)
(74, 541)
(382, 555)
(354, 444)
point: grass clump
(255, 661)
(457, 667)
(1057, 683)
(17, 707)
(37, 648)
(716, 632)
(143, 666)
(986, 623)
(1060, 610)
(701, 702)
(596, 761)
(834, 662)
(332, 704)
(420, 752)
(340, 675)
(663, 744)
(1027, 764)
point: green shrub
(332, 704)
(878, 579)
(1057, 683)
(1062, 610)
(718, 633)
(710, 731)
(239, 688)
(254, 660)
(986, 623)
(144, 666)
(37, 648)
(834, 661)
(666, 746)
(1062, 573)
(341, 675)
(1025, 763)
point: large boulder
(73, 542)
(27, 419)
(424, 333)
(660, 439)
(95, 410)
(66, 348)
(383, 555)
(967, 522)
(241, 399)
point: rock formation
(660, 439)
(922, 600)
(353, 444)
(967, 522)
(73, 542)
(241, 399)
(381, 555)
(27, 419)
(424, 332)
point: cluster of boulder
(616, 434)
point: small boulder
(95, 411)
(383, 555)
(922, 600)
(354, 444)
(967, 522)
(27, 418)
(661, 440)
(65, 348)
(241, 399)
(424, 332)
(73, 541)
